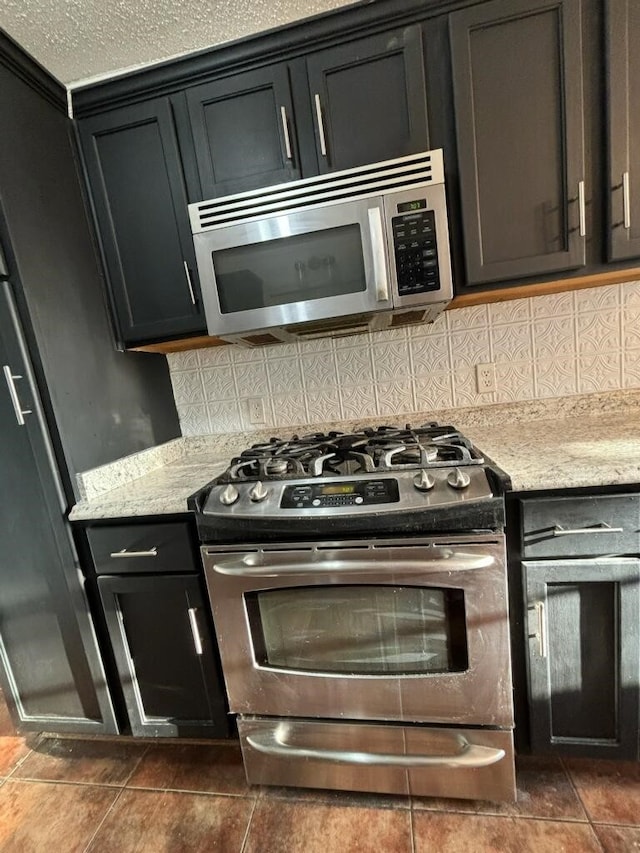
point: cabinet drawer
(584, 526)
(141, 548)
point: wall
(547, 346)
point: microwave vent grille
(373, 180)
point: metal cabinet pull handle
(469, 755)
(189, 282)
(582, 210)
(193, 621)
(247, 568)
(285, 128)
(323, 141)
(379, 260)
(540, 633)
(152, 552)
(602, 527)
(13, 393)
(626, 200)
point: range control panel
(415, 248)
(339, 494)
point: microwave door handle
(376, 234)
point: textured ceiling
(77, 40)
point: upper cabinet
(140, 200)
(517, 74)
(243, 131)
(369, 100)
(623, 82)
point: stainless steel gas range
(358, 588)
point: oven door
(317, 263)
(403, 630)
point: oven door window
(360, 630)
(313, 265)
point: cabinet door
(164, 651)
(243, 131)
(517, 74)
(623, 81)
(369, 100)
(137, 187)
(584, 656)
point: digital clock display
(346, 489)
(409, 206)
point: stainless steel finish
(582, 210)
(13, 393)
(195, 631)
(424, 481)
(263, 565)
(189, 283)
(229, 495)
(540, 633)
(285, 130)
(411, 498)
(458, 479)
(491, 781)
(626, 200)
(468, 755)
(323, 141)
(378, 253)
(152, 552)
(479, 695)
(603, 527)
(258, 493)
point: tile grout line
(101, 823)
(580, 800)
(21, 761)
(411, 827)
(246, 832)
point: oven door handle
(469, 754)
(249, 567)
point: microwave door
(312, 264)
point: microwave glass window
(314, 265)
(364, 629)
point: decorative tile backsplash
(546, 346)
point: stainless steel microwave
(365, 248)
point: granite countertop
(590, 440)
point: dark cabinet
(369, 99)
(134, 167)
(159, 628)
(517, 75)
(580, 575)
(623, 91)
(243, 131)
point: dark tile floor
(99, 795)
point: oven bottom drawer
(388, 759)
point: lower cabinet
(584, 656)
(160, 631)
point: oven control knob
(458, 479)
(258, 492)
(230, 495)
(424, 481)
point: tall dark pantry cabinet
(68, 401)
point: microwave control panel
(415, 249)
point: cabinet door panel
(623, 36)
(584, 656)
(171, 686)
(518, 101)
(372, 99)
(241, 127)
(134, 170)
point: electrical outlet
(485, 378)
(256, 410)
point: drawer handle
(603, 527)
(152, 552)
(469, 754)
(540, 633)
(193, 621)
